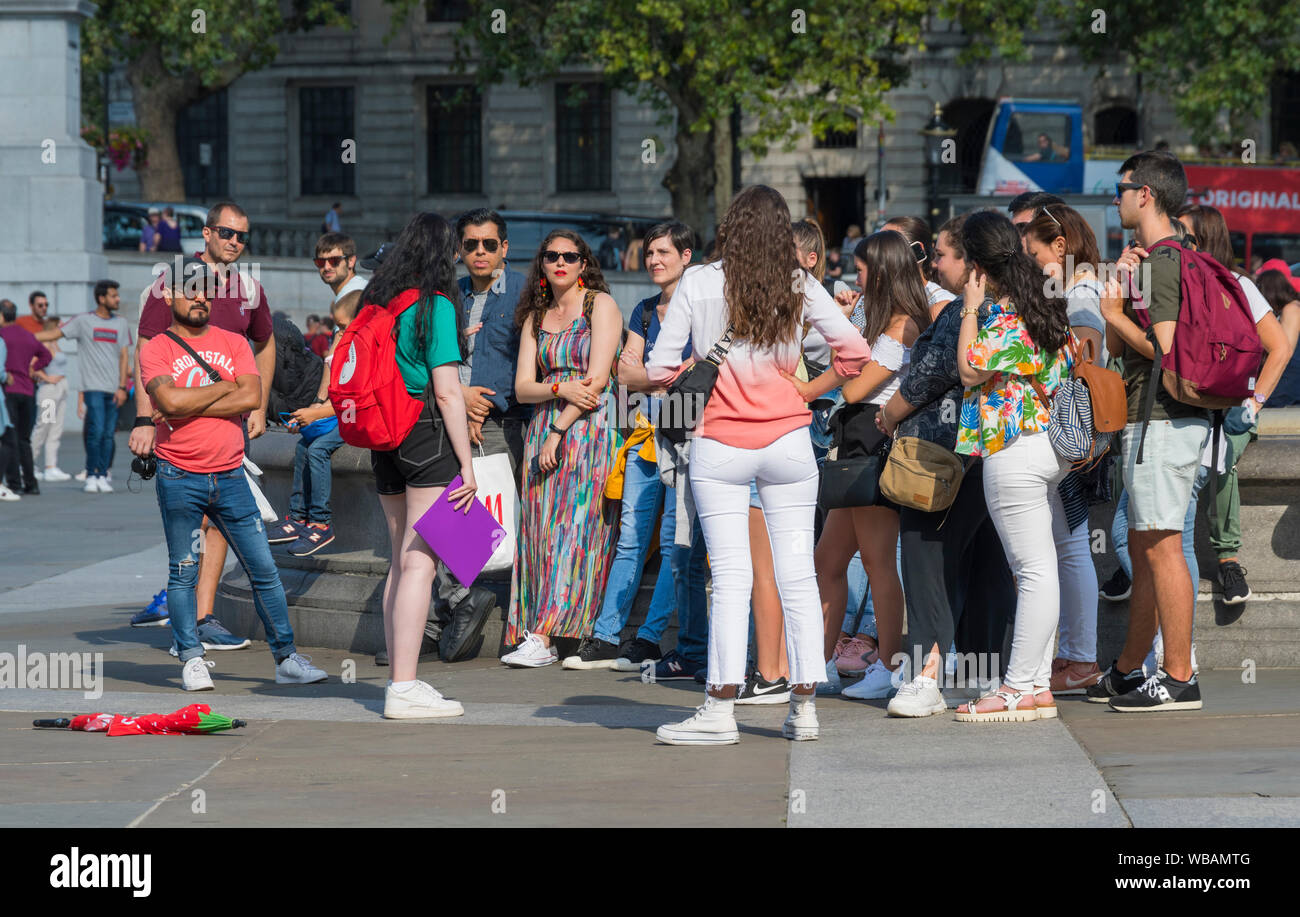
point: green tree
(789, 66)
(176, 54)
(1215, 58)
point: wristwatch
(1259, 399)
(559, 430)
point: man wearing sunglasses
(336, 261)
(237, 303)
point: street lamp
(935, 133)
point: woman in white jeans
(1011, 365)
(755, 427)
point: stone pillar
(51, 201)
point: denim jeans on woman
(184, 498)
(787, 478)
(312, 478)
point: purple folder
(463, 541)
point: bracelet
(555, 388)
(142, 422)
(561, 432)
(969, 310)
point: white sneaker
(918, 697)
(801, 724)
(80, 475)
(531, 654)
(832, 684)
(56, 474)
(194, 677)
(298, 670)
(92, 486)
(877, 681)
(102, 483)
(38, 475)
(8, 495)
(419, 701)
(713, 723)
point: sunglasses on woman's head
(918, 251)
(226, 233)
(332, 261)
(471, 245)
(550, 257)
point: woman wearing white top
(895, 313)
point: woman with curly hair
(570, 328)
(755, 427)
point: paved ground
(542, 747)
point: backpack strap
(1149, 402)
(213, 375)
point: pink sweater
(752, 405)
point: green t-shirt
(441, 344)
(1165, 265)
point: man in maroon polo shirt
(240, 306)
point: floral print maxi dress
(565, 543)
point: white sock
(402, 686)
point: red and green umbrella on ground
(195, 719)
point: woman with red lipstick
(570, 328)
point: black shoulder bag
(850, 475)
(683, 405)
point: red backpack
(374, 409)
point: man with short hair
(39, 304)
(239, 306)
(1153, 186)
(336, 260)
(200, 380)
(24, 356)
(104, 343)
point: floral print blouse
(1005, 405)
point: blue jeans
(97, 434)
(1119, 531)
(184, 498)
(312, 479)
(683, 590)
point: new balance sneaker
(214, 636)
(194, 675)
(851, 658)
(701, 675)
(636, 653)
(154, 614)
(832, 685)
(592, 654)
(418, 702)
(1232, 579)
(674, 667)
(713, 723)
(297, 669)
(801, 722)
(1160, 692)
(531, 653)
(916, 698)
(56, 473)
(877, 682)
(1117, 588)
(1074, 677)
(758, 690)
(286, 531)
(1113, 683)
(313, 538)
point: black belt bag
(683, 404)
(851, 474)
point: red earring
(541, 284)
(580, 283)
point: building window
(1115, 126)
(446, 10)
(455, 140)
(838, 140)
(582, 137)
(202, 147)
(325, 121)
(1286, 131)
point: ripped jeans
(184, 498)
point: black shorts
(424, 459)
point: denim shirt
(496, 346)
(933, 384)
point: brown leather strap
(1042, 393)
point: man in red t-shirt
(239, 306)
(200, 380)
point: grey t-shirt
(1083, 309)
(99, 341)
(478, 301)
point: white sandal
(1045, 711)
(1012, 712)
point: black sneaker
(461, 638)
(1117, 588)
(1160, 692)
(428, 649)
(592, 654)
(637, 652)
(758, 690)
(1232, 579)
(1113, 683)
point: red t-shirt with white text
(201, 445)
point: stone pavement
(550, 747)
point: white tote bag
(496, 491)
(263, 505)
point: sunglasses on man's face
(471, 245)
(550, 257)
(332, 261)
(1122, 186)
(226, 233)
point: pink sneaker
(851, 658)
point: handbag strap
(212, 373)
(718, 352)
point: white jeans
(1020, 487)
(1074, 565)
(786, 473)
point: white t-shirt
(1083, 308)
(356, 283)
(935, 294)
(891, 354)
